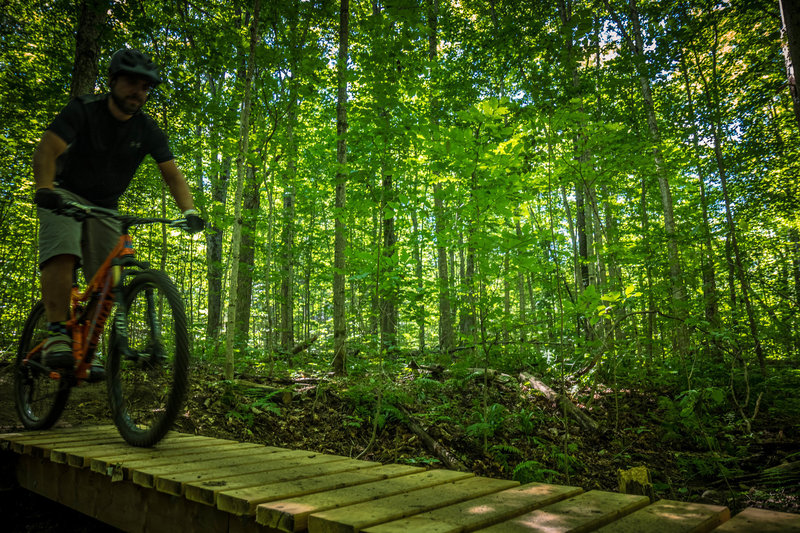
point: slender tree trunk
(445, 308)
(219, 193)
(523, 318)
(712, 95)
(710, 297)
(388, 305)
(340, 202)
(92, 18)
(635, 42)
(419, 308)
(251, 203)
(790, 40)
(244, 147)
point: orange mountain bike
(147, 348)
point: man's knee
(59, 262)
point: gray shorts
(89, 241)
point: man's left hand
(193, 221)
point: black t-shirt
(103, 153)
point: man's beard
(125, 105)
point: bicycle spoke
(148, 371)
(40, 399)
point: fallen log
(561, 400)
(443, 454)
(252, 388)
(303, 346)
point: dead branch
(445, 456)
(561, 400)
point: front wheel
(149, 358)
(39, 398)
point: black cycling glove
(193, 221)
(48, 199)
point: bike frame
(98, 300)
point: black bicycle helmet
(132, 61)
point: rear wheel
(39, 398)
(149, 358)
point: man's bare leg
(56, 286)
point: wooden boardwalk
(192, 483)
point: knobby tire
(148, 363)
(39, 399)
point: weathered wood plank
(761, 520)
(585, 512)
(207, 492)
(354, 518)
(480, 512)
(44, 449)
(174, 483)
(145, 473)
(338, 475)
(112, 465)
(26, 434)
(292, 514)
(669, 516)
(60, 453)
(41, 444)
(84, 457)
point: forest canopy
(585, 188)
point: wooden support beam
(125, 505)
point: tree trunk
(790, 40)
(636, 44)
(388, 299)
(710, 297)
(251, 203)
(445, 308)
(340, 202)
(419, 308)
(219, 193)
(712, 95)
(244, 147)
(92, 18)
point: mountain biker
(89, 154)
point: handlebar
(82, 212)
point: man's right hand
(48, 199)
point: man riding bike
(89, 154)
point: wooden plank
(81, 457)
(585, 512)
(354, 518)
(292, 514)
(174, 483)
(145, 473)
(667, 516)
(207, 492)
(61, 453)
(43, 443)
(26, 434)
(112, 465)
(176, 460)
(338, 475)
(481, 512)
(45, 449)
(761, 520)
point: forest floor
(496, 427)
